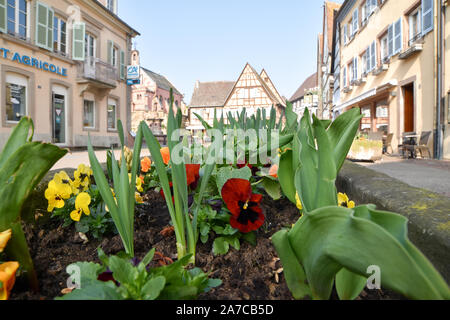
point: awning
(366, 95)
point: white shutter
(391, 40)
(345, 33)
(78, 41)
(398, 40)
(355, 21)
(427, 16)
(355, 68)
(344, 74)
(3, 16)
(51, 15)
(122, 65)
(373, 56)
(374, 5)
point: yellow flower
(5, 236)
(7, 278)
(83, 177)
(343, 201)
(56, 193)
(63, 178)
(138, 183)
(299, 203)
(82, 203)
(114, 195)
(138, 198)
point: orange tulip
(5, 236)
(273, 172)
(165, 153)
(7, 278)
(146, 164)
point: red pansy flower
(246, 214)
(192, 177)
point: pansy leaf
(152, 289)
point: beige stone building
(306, 96)
(251, 91)
(63, 64)
(386, 62)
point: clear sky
(211, 40)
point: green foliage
(139, 282)
(226, 173)
(23, 164)
(122, 209)
(333, 245)
(331, 239)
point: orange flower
(165, 153)
(7, 278)
(274, 171)
(146, 164)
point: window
(90, 46)
(353, 69)
(16, 97)
(110, 4)
(17, 18)
(60, 36)
(114, 56)
(89, 115)
(344, 77)
(370, 57)
(112, 114)
(415, 25)
(384, 49)
(345, 35)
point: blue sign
(32, 62)
(132, 82)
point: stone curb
(428, 212)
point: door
(408, 108)
(59, 119)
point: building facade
(306, 96)
(62, 63)
(386, 63)
(151, 100)
(251, 91)
(325, 74)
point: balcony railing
(415, 38)
(99, 71)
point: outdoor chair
(375, 136)
(423, 144)
(387, 143)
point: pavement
(74, 159)
(433, 175)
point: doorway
(408, 108)
(59, 118)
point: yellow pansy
(82, 203)
(7, 278)
(299, 203)
(138, 183)
(343, 201)
(115, 199)
(138, 197)
(5, 236)
(56, 193)
(83, 177)
(63, 178)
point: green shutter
(110, 52)
(50, 22)
(78, 43)
(42, 14)
(122, 64)
(3, 16)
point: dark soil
(252, 273)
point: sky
(212, 40)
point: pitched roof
(330, 7)
(161, 81)
(310, 82)
(266, 86)
(211, 94)
(264, 75)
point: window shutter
(398, 36)
(373, 55)
(122, 64)
(78, 44)
(345, 33)
(345, 76)
(355, 68)
(50, 22)
(355, 21)
(391, 40)
(427, 16)
(374, 5)
(110, 52)
(42, 14)
(3, 16)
